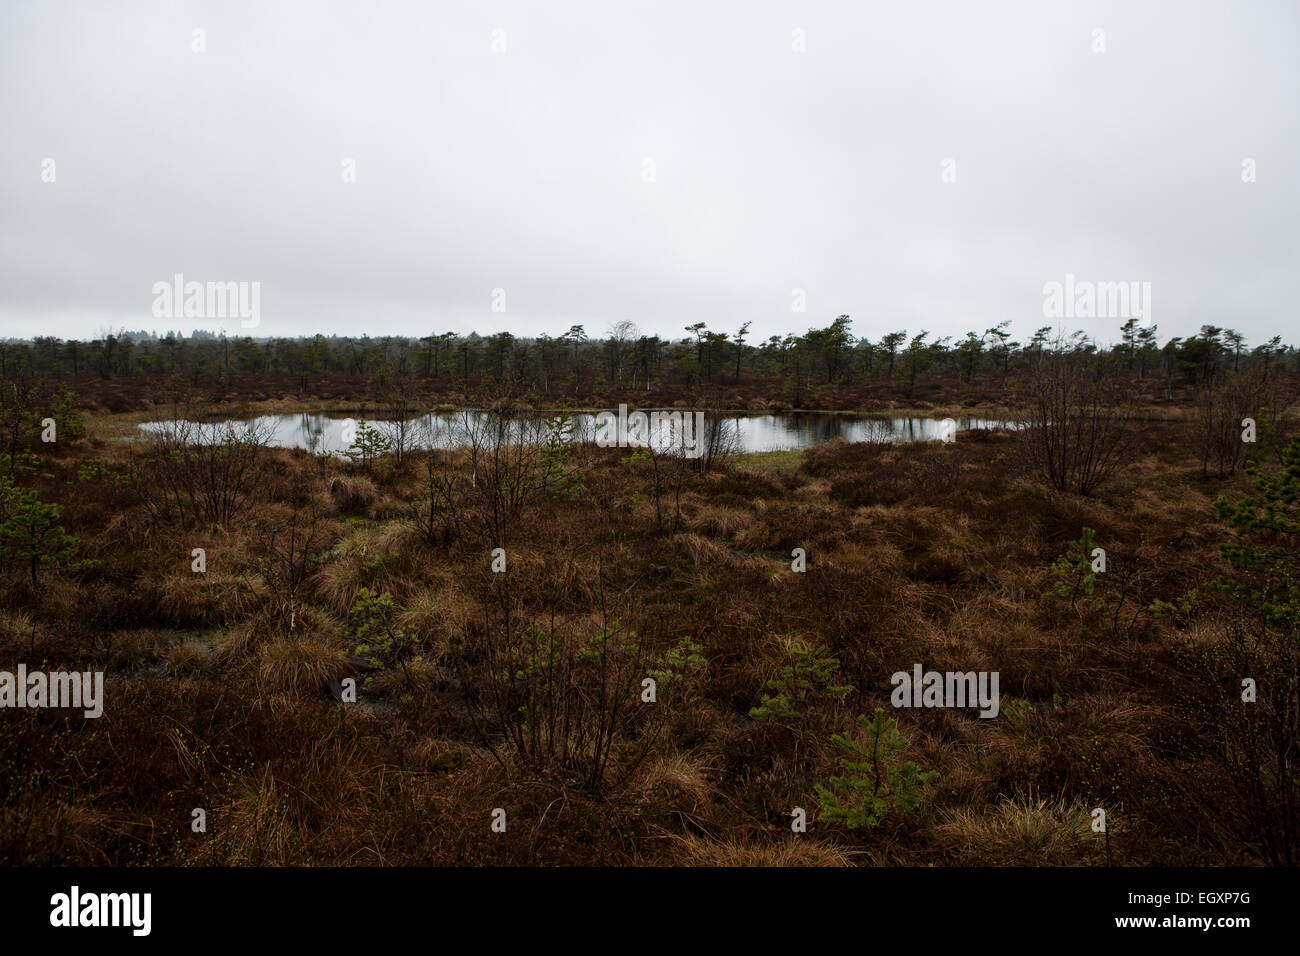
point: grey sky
(523, 170)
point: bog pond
(788, 431)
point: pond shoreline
(224, 411)
(739, 432)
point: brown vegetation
(522, 690)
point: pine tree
(1073, 570)
(1265, 552)
(874, 783)
(29, 530)
(805, 681)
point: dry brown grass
(1021, 832)
(302, 664)
(352, 494)
(188, 658)
(915, 554)
(437, 614)
(793, 851)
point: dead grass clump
(16, 628)
(301, 665)
(353, 494)
(706, 851)
(387, 508)
(676, 779)
(379, 557)
(717, 522)
(839, 456)
(186, 599)
(187, 658)
(705, 553)
(435, 615)
(783, 527)
(1021, 832)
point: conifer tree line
(625, 358)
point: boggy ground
(937, 554)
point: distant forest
(791, 367)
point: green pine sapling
(874, 782)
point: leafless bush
(286, 562)
(669, 467)
(194, 474)
(565, 694)
(1252, 745)
(1217, 417)
(1076, 423)
(435, 512)
(404, 426)
(512, 460)
(720, 441)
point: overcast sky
(661, 162)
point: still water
(753, 433)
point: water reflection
(801, 429)
(793, 430)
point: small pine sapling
(874, 782)
(1074, 569)
(804, 682)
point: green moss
(771, 462)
